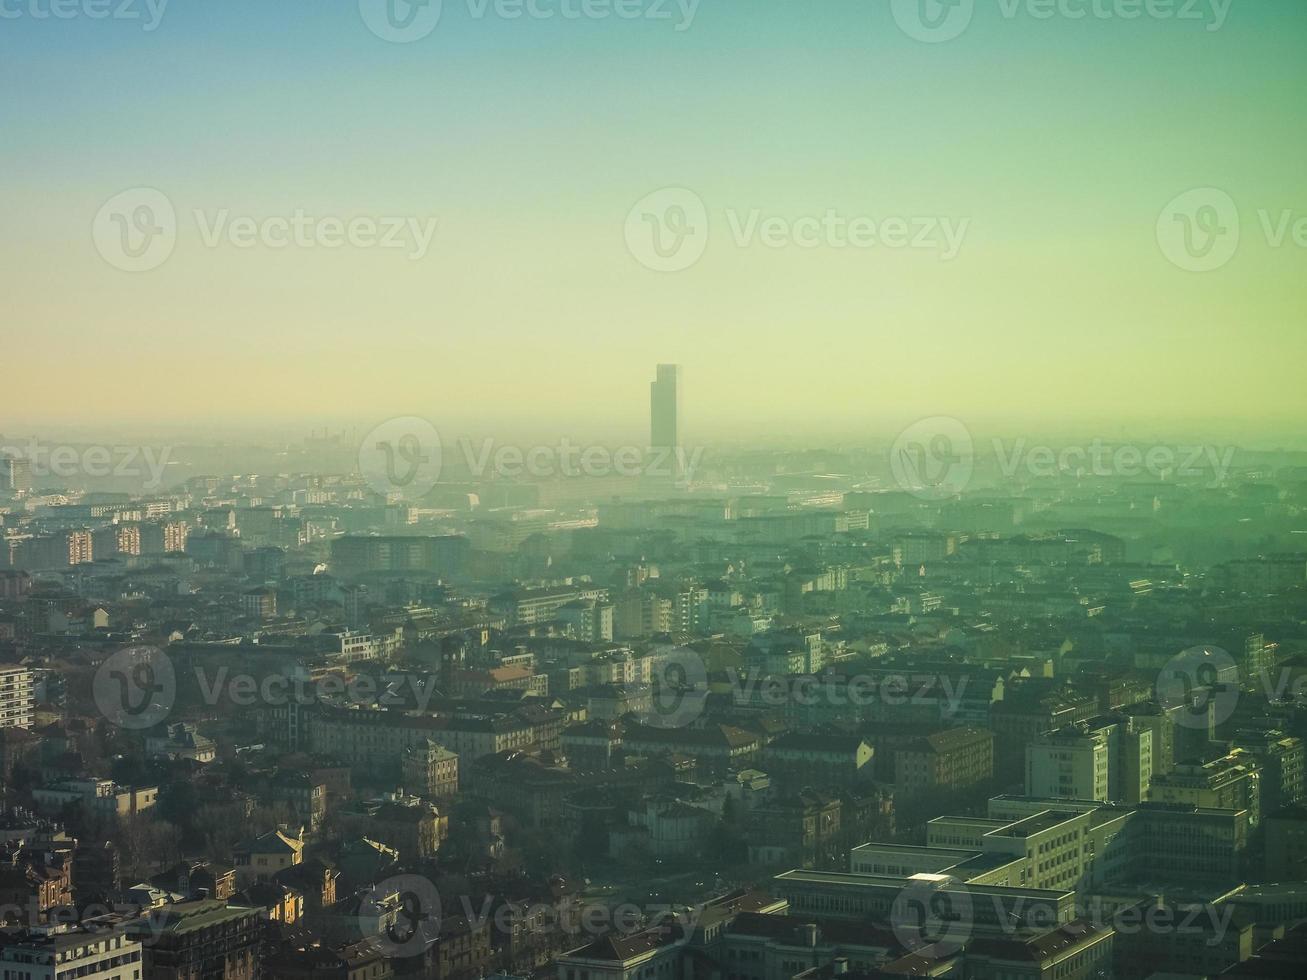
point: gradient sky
(529, 141)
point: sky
(836, 215)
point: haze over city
(653, 490)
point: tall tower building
(665, 412)
(15, 472)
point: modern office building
(665, 411)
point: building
(802, 830)
(1106, 758)
(665, 413)
(954, 759)
(181, 741)
(364, 960)
(815, 758)
(522, 607)
(259, 603)
(265, 855)
(104, 796)
(16, 698)
(1232, 782)
(438, 555)
(87, 952)
(430, 770)
(1282, 760)
(200, 938)
(1286, 844)
(649, 955)
(1071, 763)
(588, 619)
(15, 473)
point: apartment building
(17, 701)
(86, 952)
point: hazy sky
(1048, 148)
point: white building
(83, 952)
(1068, 763)
(16, 699)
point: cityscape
(653, 490)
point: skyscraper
(15, 472)
(665, 409)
